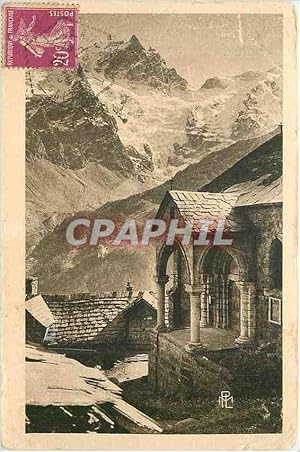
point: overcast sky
(199, 46)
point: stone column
(204, 302)
(160, 290)
(195, 343)
(251, 311)
(195, 318)
(217, 299)
(246, 297)
(227, 302)
(223, 300)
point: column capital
(246, 284)
(161, 279)
(193, 289)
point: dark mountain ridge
(61, 267)
(193, 177)
(77, 129)
(264, 163)
(130, 61)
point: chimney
(129, 289)
(32, 284)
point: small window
(276, 264)
(274, 314)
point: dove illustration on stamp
(40, 37)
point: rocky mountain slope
(131, 62)
(124, 123)
(75, 130)
(63, 268)
(74, 155)
(233, 109)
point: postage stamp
(40, 37)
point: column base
(242, 340)
(195, 347)
(161, 329)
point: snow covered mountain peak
(130, 62)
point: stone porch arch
(162, 278)
(217, 261)
(163, 256)
(236, 255)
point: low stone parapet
(174, 370)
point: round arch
(221, 270)
(220, 264)
(163, 257)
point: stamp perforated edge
(37, 5)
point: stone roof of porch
(198, 206)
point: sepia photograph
(143, 314)
(149, 226)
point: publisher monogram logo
(226, 399)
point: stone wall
(34, 330)
(139, 321)
(268, 221)
(172, 369)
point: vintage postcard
(149, 217)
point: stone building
(83, 319)
(38, 317)
(108, 318)
(212, 297)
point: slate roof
(66, 384)
(53, 379)
(197, 206)
(254, 180)
(256, 192)
(257, 177)
(37, 307)
(82, 317)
